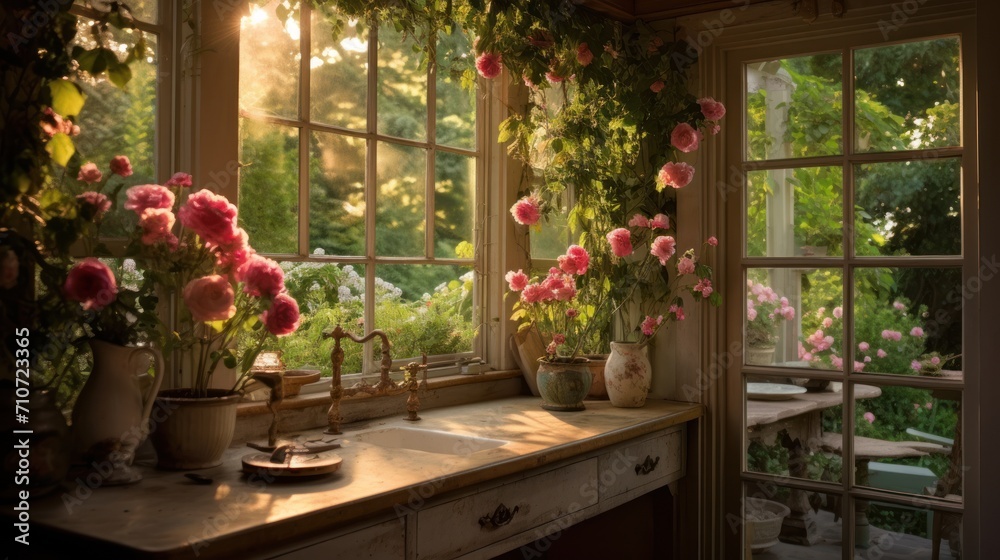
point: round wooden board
(298, 465)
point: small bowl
(296, 378)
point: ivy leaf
(67, 98)
(61, 148)
(119, 74)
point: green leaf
(119, 74)
(230, 360)
(67, 99)
(61, 148)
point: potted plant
(766, 309)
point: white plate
(773, 391)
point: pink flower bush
(864, 346)
(621, 242)
(211, 216)
(638, 220)
(881, 353)
(657, 86)
(575, 261)
(179, 179)
(704, 286)
(527, 211)
(141, 197)
(685, 266)
(583, 54)
(660, 221)
(898, 305)
(676, 175)
(917, 332)
(663, 248)
(89, 173)
(712, 109)
(685, 138)
(713, 241)
(516, 280)
(91, 283)
(827, 323)
(96, 204)
(869, 417)
(489, 65)
(838, 312)
(895, 336)
(120, 165)
(282, 318)
(649, 325)
(261, 277)
(677, 311)
(157, 225)
(210, 298)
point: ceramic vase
(110, 417)
(195, 431)
(628, 375)
(563, 385)
(597, 363)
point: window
(361, 173)
(854, 221)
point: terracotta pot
(760, 355)
(110, 419)
(563, 385)
(597, 363)
(194, 432)
(628, 375)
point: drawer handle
(647, 466)
(500, 517)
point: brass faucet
(384, 387)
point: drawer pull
(647, 466)
(500, 517)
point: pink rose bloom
(898, 305)
(575, 261)
(649, 324)
(621, 242)
(859, 367)
(10, 269)
(714, 129)
(869, 417)
(916, 406)
(663, 247)
(516, 280)
(559, 338)
(657, 86)
(685, 138)
(572, 312)
(91, 283)
(232, 256)
(53, 123)
(713, 241)
(210, 298)
(917, 332)
(638, 220)
(211, 216)
(827, 323)
(712, 109)
(261, 277)
(120, 165)
(704, 286)
(141, 197)
(868, 359)
(892, 335)
(838, 312)
(928, 406)
(583, 54)
(935, 360)
(179, 180)
(489, 65)
(551, 348)
(660, 221)
(535, 293)
(751, 311)
(283, 316)
(156, 224)
(564, 289)
(863, 346)
(89, 173)
(527, 211)
(94, 202)
(677, 310)
(676, 175)
(915, 365)
(685, 266)
(881, 353)
(837, 362)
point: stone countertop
(168, 516)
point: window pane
(454, 205)
(782, 523)
(905, 531)
(269, 186)
(339, 82)
(908, 96)
(425, 308)
(456, 106)
(400, 221)
(402, 87)
(269, 61)
(909, 208)
(788, 421)
(337, 194)
(794, 107)
(908, 321)
(793, 318)
(552, 239)
(795, 212)
(143, 10)
(120, 122)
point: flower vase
(563, 384)
(110, 417)
(597, 363)
(628, 374)
(196, 431)
(760, 355)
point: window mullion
(429, 181)
(305, 73)
(371, 193)
(847, 421)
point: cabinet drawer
(385, 541)
(633, 465)
(461, 526)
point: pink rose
(869, 417)
(572, 312)
(935, 360)
(928, 405)
(551, 348)
(863, 346)
(638, 220)
(685, 266)
(211, 216)
(559, 338)
(714, 129)
(827, 323)
(583, 54)
(89, 173)
(712, 109)
(678, 311)
(91, 283)
(892, 335)
(838, 312)
(868, 359)
(704, 286)
(713, 241)
(881, 353)
(837, 362)
(917, 332)
(210, 298)
(660, 221)
(898, 305)
(516, 280)
(535, 293)
(621, 242)
(261, 277)
(575, 261)
(663, 247)
(156, 224)
(141, 197)
(232, 256)
(527, 211)
(859, 367)
(94, 203)
(915, 365)
(283, 316)
(120, 165)
(685, 138)
(179, 180)
(649, 325)
(676, 175)
(489, 65)
(657, 86)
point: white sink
(429, 441)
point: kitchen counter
(167, 515)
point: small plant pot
(193, 432)
(563, 385)
(763, 523)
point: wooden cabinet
(653, 461)
(384, 541)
